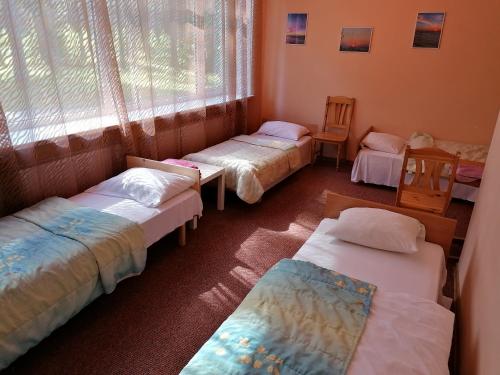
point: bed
(155, 221)
(257, 162)
(55, 258)
(61, 254)
(406, 330)
(384, 168)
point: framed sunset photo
(356, 39)
(296, 28)
(428, 30)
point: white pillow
(379, 229)
(283, 129)
(384, 142)
(421, 140)
(151, 187)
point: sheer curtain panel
(84, 82)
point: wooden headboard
(136, 162)
(439, 230)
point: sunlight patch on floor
(244, 275)
(219, 298)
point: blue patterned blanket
(56, 257)
(116, 243)
(298, 319)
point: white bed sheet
(383, 168)
(156, 222)
(407, 332)
(404, 335)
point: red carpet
(154, 323)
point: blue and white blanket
(56, 257)
(298, 319)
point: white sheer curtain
(107, 62)
(166, 72)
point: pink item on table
(180, 162)
(468, 173)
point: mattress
(383, 168)
(407, 332)
(156, 222)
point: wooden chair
(338, 115)
(424, 191)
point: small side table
(208, 173)
(211, 172)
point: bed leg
(194, 223)
(182, 235)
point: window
(67, 67)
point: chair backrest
(338, 113)
(427, 178)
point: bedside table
(211, 172)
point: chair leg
(339, 149)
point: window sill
(54, 131)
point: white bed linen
(156, 222)
(407, 332)
(304, 145)
(251, 169)
(421, 274)
(382, 168)
(404, 335)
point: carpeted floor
(154, 323)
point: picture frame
(428, 30)
(356, 39)
(296, 29)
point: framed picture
(296, 28)
(356, 39)
(428, 30)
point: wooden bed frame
(136, 162)
(439, 230)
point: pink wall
(452, 92)
(479, 271)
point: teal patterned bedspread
(298, 319)
(56, 257)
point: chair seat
(423, 201)
(330, 137)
